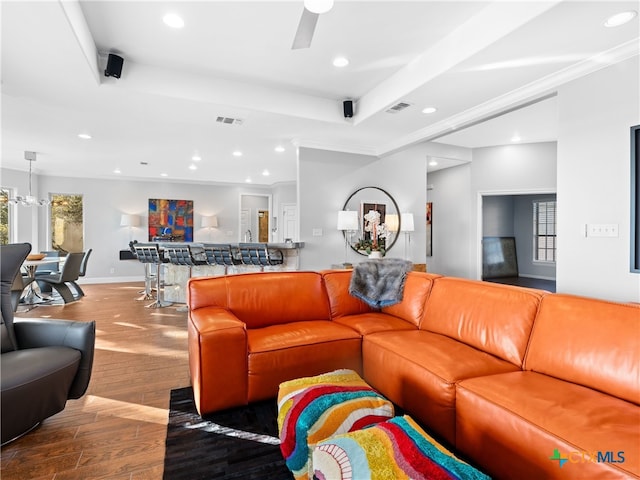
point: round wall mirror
(373, 221)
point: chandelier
(29, 200)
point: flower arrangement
(375, 234)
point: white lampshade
(209, 222)
(391, 221)
(406, 220)
(318, 6)
(347, 220)
(127, 220)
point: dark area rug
(239, 443)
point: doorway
(254, 217)
(508, 239)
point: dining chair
(69, 274)
(43, 271)
(82, 273)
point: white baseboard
(92, 280)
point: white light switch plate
(317, 232)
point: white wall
(451, 226)
(595, 113)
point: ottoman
(397, 449)
(312, 409)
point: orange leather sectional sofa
(522, 383)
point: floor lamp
(406, 226)
(347, 222)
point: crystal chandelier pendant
(29, 200)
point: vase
(375, 254)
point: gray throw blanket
(380, 283)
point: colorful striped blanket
(397, 449)
(313, 409)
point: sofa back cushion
(263, 299)
(341, 302)
(417, 287)
(589, 342)
(494, 318)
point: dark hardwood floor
(118, 429)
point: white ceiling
(472, 60)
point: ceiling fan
(308, 20)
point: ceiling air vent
(229, 120)
(398, 107)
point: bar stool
(258, 254)
(221, 254)
(150, 253)
(147, 293)
(181, 255)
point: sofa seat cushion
(367, 323)
(520, 419)
(418, 370)
(286, 351)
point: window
(5, 216)
(66, 223)
(544, 231)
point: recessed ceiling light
(429, 110)
(620, 18)
(279, 149)
(84, 136)
(164, 174)
(196, 158)
(237, 153)
(318, 6)
(172, 20)
(340, 62)
(433, 163)
(516, 138)
(265, 173)
(117, 170)
(248, 180)
(192, 167)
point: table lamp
(130, 221)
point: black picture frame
(635, 199)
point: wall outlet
(112, 270)
(602, 230)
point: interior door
(263, 225)
(289, 221)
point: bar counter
(176, 276)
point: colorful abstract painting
(170, 220)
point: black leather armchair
(44, 361)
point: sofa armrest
(218, 359)
(41, 332)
